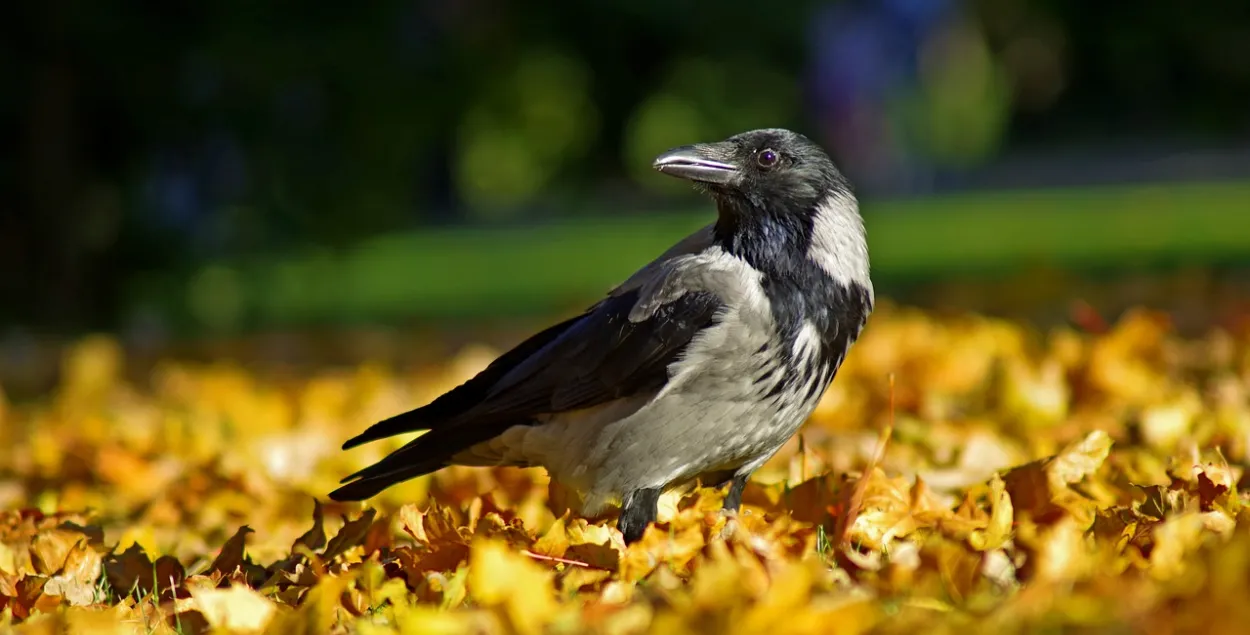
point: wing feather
(586, 361)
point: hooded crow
(699, 366)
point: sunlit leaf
(999, 529)
(499, 577)
(235, 608)
(1001, 503)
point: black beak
(703, 162)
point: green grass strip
(469, 272)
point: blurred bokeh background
(312, 181)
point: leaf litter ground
(1032, 482)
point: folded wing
(592, 359)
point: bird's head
(766, 170)
(780, 199)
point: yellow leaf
(1174, 539)
(75, 579)
(575, 579)
(1165, 424)
(675, 550)
(893, 508)
(317, 611)
(455, 588)
(582, 532)
(423, 620)
(789, 593)
(107, 622)
(236, 608)
(845, 615)
(350, 535)
(555, 542)
(142, 536)
(1001, 517)
(499, 577)
(1063, 554)
(50, 549)
(412, 520)
(666, 507)
(393, 590)
(1041, 488)
(1080, 459)
(1035, 397)
(716, 582)
(8, 559)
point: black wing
(595, 358)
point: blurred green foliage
(145, 137)
(523, 131)
(961, 110)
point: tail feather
(369, 486)
(427, 453)
(450, 407)
(452, 426)
(411, 421)
(404, 464)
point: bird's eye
(766, 158)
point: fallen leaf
(1001, 517)
(314, 538)
(555, 542)
(350, 535)
(501, 578)
(231, 558)
(1042, 489)
(235, 608)
(129, 571)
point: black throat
(776, 242)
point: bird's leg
(638, 510)
(733, 499)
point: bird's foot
(638, 510)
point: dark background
(145, 141)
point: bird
(697, 368)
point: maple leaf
(1043, 488)
(951, 529)
(351, 534)
(501, 578)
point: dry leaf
(499, 577)
(231, 557)
(999, 529)
(314, 538)
(235, 608)
(953, 531)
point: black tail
(452, 427)
(451, 405)
(427, 453)
(410, 421)
(369, 486)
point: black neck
(771, 240)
